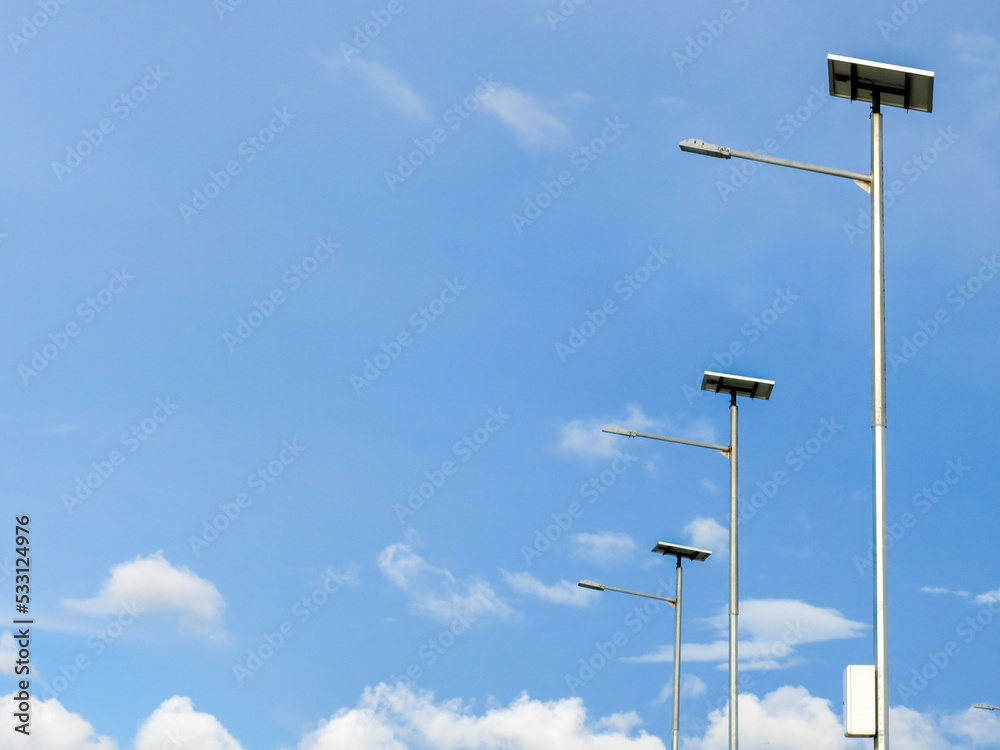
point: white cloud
(707, 533)
(942, 590)
(978, 50)
(709, 485)
(982, 52)
(787, 719)
(981, 726)
(396, 718)
(52, 728)
(790, 718)
(583, 437)
(574, 100)
(385, 81)
(535, 128)
(435, 592)
(673, 103)
(603, 548)
(773, 629)
(154, 585)
(911, 730)
(175, 724)
(416, 721)
(692, 686)
(990, 597)
(564, 592)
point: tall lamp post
(894, 86)
(734, 385)
(679, 551)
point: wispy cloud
(583, 438)
(156, 586)
(384, 81)
(707, 533)
(604, 548)
(978, 50)
(564, 592)
(774, 628)
(535, 128)
(990, 597)
(673, 103)
(692, 686)
(981, 52)
(941, 590)
(438, 594)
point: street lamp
(734, 385)
(691, 553)
(988, 708)
(894, 86)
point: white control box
(859, 701)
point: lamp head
(694, 146)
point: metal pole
(734, 584)
(878, 436)
(677, 661)
(799, 165)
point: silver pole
(878, 436)
(799, 165)
(633, 433)
(734, 583)
(677, 661)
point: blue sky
(313, 314)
